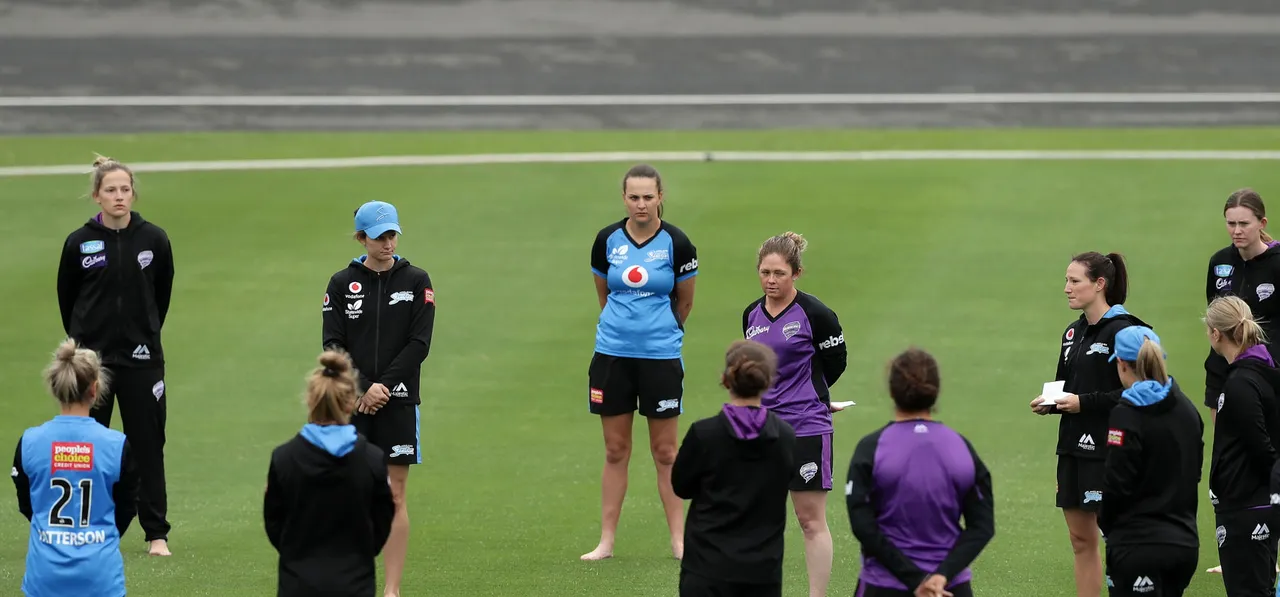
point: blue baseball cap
(1129, 342)
(375, 218)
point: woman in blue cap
(1155, 455)
(383, 317)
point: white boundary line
(837, 99)
(653, 156)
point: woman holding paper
(807, 338)
(1155, 452)
(1096, 285)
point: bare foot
(159, 547)
(601, 552)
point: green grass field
(965, 259)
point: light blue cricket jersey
(639, 318)
(72, 465)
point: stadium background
(962, 257)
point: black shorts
(1247, 551)
(865, 590)
(620, 385)
(692, 585)
(1080, 483)
(395, 429)
(1150, 570)
(812, 464)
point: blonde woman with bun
(1245, 435)
(328, 506)
(809, 342)
(115, 280)
(736, 468)
(77, 485)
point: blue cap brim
(381, 229)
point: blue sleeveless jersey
(72, 464)
(639, 318)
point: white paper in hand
(1052, 392)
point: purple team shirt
(795, 395)
(922, 472)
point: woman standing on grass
(736, 468)
(807, 337)
(328, 506)
(910, 484)
(644, 270)
(115, 280)
(77, 485)
(1096, 285)
(1155, 455)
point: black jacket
(328, 516)
(735, 527)
(1254, 281)
(114, 288)
(1083, 365)
(384, 320)
(1155, 455)
(1244, 436)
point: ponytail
(1231, 316)
(1266, 238)
(331, 389)
(1110, 267)
(1150, 364)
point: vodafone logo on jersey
(635, 276)
(355, 287)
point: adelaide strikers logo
(635, 276)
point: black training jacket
(737, 519)
(384, 321)
(328, 517)
(1155, 455)
(1083, 365)
(114, 288)
(1254, 281)
(1244, 436)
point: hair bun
(798, 239)
(101, 161)
(334, 363)
(66, 351)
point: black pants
(1150, 570)
(692, 585)
(141, 395)
(963, 589)
(1247, 552)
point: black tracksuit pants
(141, 394)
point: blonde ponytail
(1150, 364)
(1233, 317)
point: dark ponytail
(1111, 268)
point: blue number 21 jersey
(77, 486)
(639, 318)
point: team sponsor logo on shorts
(790, 329)
(93, 246)
(597, 395)
(1213, 497)
(635, 276)
(1092, 496)
(429, 297)
(1222, 535)
(1222, 399)
(1261, 532)
(1143, 585)
(1222, 271)
(1115, 437)
(72, 456)
(158, 390)
(401, 297)
(1265, 291)
(808, 471)
(92, 261)
(668, 404)
(402, 450)
(144, 259)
